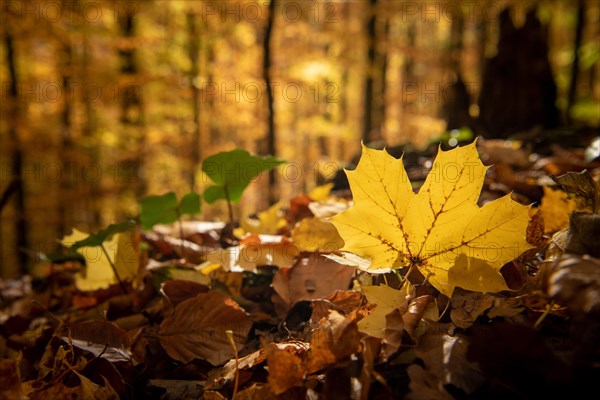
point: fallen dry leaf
(506, 307)
(335, 339)
(178, 290)
(536, 227)
(255, 252)
(227, 373)
(583, 235)
(101, 338)
(441, 230)
(385, 300)
(556, 208)
(392, 336)
(444, 356)
(583, 187)
(286, 368)
(575, 282)
(419, 308)
(311, 277)
(425, 385)
(86, 389)
(468, 306)
(197, 328)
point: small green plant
(232, 171)
(165, 209)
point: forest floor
(271, 308)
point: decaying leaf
(556, 208)
(441, 230)
(536, 228)
(85, 390)
(178, 290)
(575, 282)
(316, 234)
(336, 339)
(197, 328)
(257, 391)
(583, 235)
(394, 329)
(444, 355)
(285, 365)
(101, 338)
(311, 277)
(425, 385)
(467, 307)
(281, 253)
(229, 369)
(419, 308)
(582, 186)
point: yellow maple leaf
(316, 234)
(441, 230)
(321, 193)
(268, 222)
(98, 273)
(386, 300)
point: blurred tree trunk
(88, 132)
(132, 111)
(571, 97)
(456, 99)
(378, 106)
(193, 53)
(16, 160)
(456, 42)
(371, 52)
(408, 76)
(65, 207)
(271, 134)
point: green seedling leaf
(96, 239)
(190, 204)
(158, 210)
(232, 171)
(165, 209)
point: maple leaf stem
(112, 265)
(410, 270)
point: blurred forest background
(106, 101)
